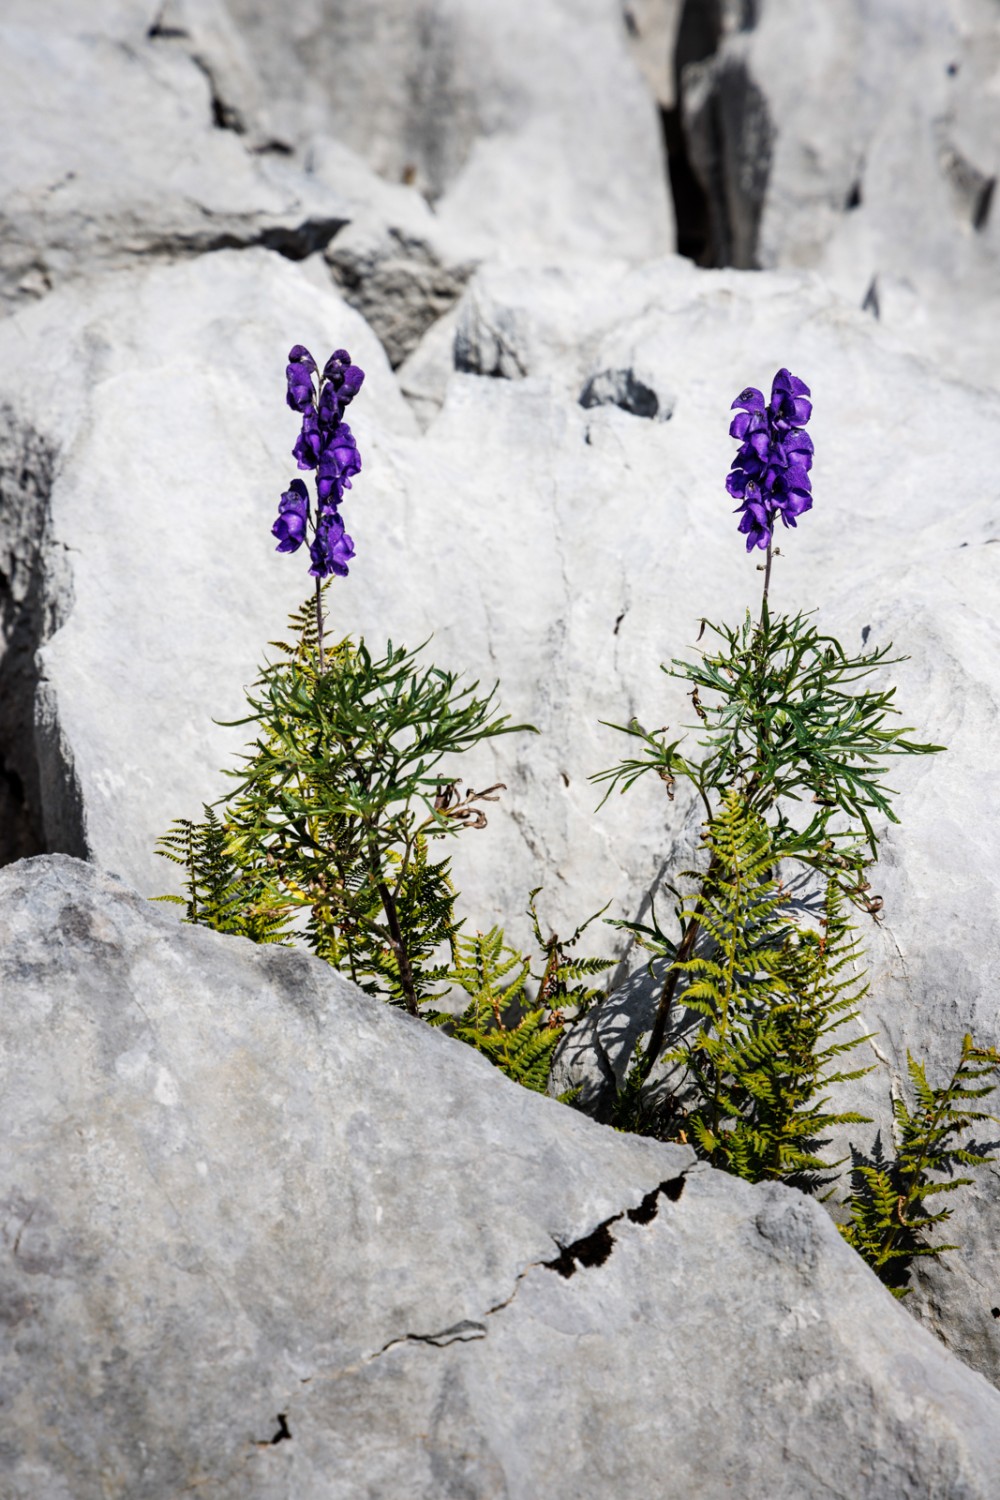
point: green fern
(223, 890)
(770, 995)
(517, 1038)
(890, 1218)
(519, 1034)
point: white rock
(265, 1237)
(864, 140)
(523, 122)
(89, 186)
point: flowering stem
(319, 625)
(767, 581)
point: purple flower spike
(770, 473)
(326, 445)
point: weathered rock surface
(121, 351)
(864, 140)
(162, 174)
(580, 544)
(528, 122)
(263, 1236)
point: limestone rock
(264, 1236)
(522, 122)
(864, 140)
(401, 275)
(126, 350)
(166, 173)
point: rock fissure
(590, 1250)
(35, 600)
(595, 1248)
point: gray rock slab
(863, 140)
(528, 122)
(141, 141)
(264, 1237)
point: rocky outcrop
(524, 122)
(863, 140)
(606, 541)
(263, 1236)
(473, 199)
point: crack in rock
(595, 1248)
(592, 1249)
(458, 1333)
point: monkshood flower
(332, 549)
(325, 445)
(293, 512)
(770, 473)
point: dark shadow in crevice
(690, 202)
(592, 1250)
(983, 204)
(35, 598)
(718, 137)
(595, 1248)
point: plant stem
(665, 1006)
(319, 622)
(767, 581)
(396, 938)
(399, 947)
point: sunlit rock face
(475, 201)
(264, 1234)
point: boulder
(185, 163)
(401, 273)
(863, 140)
(522, 122)
(264, 1236)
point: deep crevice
(593, 1250)
(717, 136)
(40, 807)
(690, 201)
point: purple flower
(299, 373)
(293, 512)
(326, 445)
(770, 473)
(339, 461)
(345, 378)
(309, 442)
(332, 549)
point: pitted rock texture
(262, 1236)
